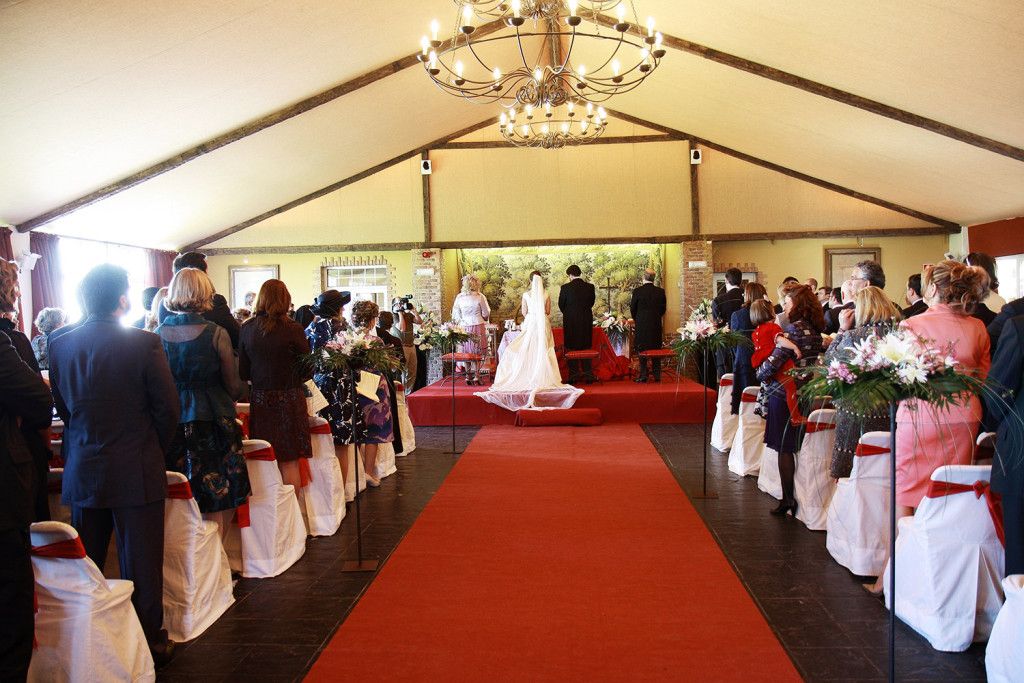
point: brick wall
(695, 285)
(428, 290)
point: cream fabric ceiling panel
(385, 207)
(831, 141)
(957, 62)
(94, 91)
(529, 194)
(274, 167)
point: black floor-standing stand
(359, 564)
(892, 542)
(704, 493)
(453, 451)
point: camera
(402, 303)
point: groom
(576, 302)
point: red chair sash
(244, 419)
(305, 473)
(242, 515)
(266, 454)
(725, 383)
(940, 489)
(324, 428)
(69, 549)
(868, 449)
(179, 491)
(749, 398)
(820, 426)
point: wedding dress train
(528, 374)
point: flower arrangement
(700, 334)
(445, 336)
(617, 327)
(890, 367)
(351, 350)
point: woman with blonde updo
(377, 419)
(928, 437)
(472, 311)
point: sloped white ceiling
(96, 90)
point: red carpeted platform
(563, 553)
(618, 401)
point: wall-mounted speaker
(695, 156)
(425, 167)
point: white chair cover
(748, 444)
(858, 517)
(1004, 656)
(86, 627)
(768, 478)
(723, 429)
(408, 431)
(197, 578)
(276, 536)
(59, 511)
(949, 562)
(386, 460)
(813, 485)
(350, 480)
(323, 499)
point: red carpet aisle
(557, 553)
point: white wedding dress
(528, 375)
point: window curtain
(160, 263)
(46, 280)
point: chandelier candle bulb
(467, 19)
(650, 26)
(517, 8)
(573, 4)
(435, 26)
(425, 45)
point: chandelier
(624, 55)
(555, 128)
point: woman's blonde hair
(153, 315)
(8, 286)
(871, 305)
(959, 286)
(468, 282)
(190, 291)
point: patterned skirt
(377, 416)
(279, 416)
(209, 454)
(341, 407)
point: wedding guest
(789, 279)
(48, 320)
(927, 437)
(813, 284)
(722, 308)
(824, 294)
(385, 321)
(115, 393)
(249, 300)
(304, 315)
(1010, 310)
(148, 294)
(576, 302)
(867, 273)
(25, 404)
(406, 319)
(336, 385)
(242, 314)
(471, 311)
(873, 315)
(221, 312)
(742, 369)
(982, 260)
(377, 417)
(270, 347)
(647, 308)
(1006, 417)
(844, 303)
(153, 316)
(913, 296)
(805, 322)
(207, 448)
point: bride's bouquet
(883, 369)
(700, 334)
(351, 350)
(617, 327)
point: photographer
(405, 318)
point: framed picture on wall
(839, 261)
(245, 279)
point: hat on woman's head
(330, 303)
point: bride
(528, 374)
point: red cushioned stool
(659, 355)
(587, 358)
(471, 366)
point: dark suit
(916, 308)
(1005, 412)
(576, 302)
(219, 314)
(647, 308)
(1010, 310)
(25, 398)
(722, 308)
(114, 390)
(832, 317)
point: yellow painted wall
(804, 258)
(301, 272)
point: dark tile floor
(831, 628)
(277, 626)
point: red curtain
(160, 267)
(46, 278)
(7, 253)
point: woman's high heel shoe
(785, 507)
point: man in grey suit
(114, 390)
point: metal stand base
(359, 565)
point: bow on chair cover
(940, 489)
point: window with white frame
(78, 257)
(1010, 272)
(364, 283)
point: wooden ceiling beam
(236, 134)
(885, 204)
(333, 187)
(612, 140)
(832, 93)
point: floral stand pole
(358, 564)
